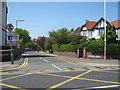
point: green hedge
(67, 47)
(55, 47)
(98, 48)
(113, 49)
(95, 47)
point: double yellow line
(25, 63)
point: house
(77, 31)
(87, 29)
(3, 22)
(93, 29)
(116, 24)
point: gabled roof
(89, 24)
(116, 23)
(77, 31)
(100, 21)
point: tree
(64, 36)
(60, 36)
(110, 36)
(31, 45)
(48, 43)
(75, 39)
(41, 42)
(23, 36)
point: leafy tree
(64, 36)
(23, 36)
(31, 45)
(74, 39)
(110, 36)
(60, 36)
(41, 42)
(48, 43)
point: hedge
(113, 49)
(98, 48)
(67, 47)
(55, 47)
(94, 47)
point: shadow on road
(32, 56)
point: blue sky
(42, 17)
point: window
(84, 33)
(100, 31)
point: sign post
(10, 27)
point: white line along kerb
(56, 67)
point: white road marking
(104, 86)
(56, 67)
(46, 60)
(40, 58)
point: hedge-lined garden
(95, 48)
(63, 40)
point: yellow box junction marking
(11, 86)
(80, 78)
(15, 76)
(66, 81)
(71, 78)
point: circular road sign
(9, 27)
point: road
(43, 71)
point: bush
(67, 47)
(95, 47)
(55, 47)
(113, 49)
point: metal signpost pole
(12, 61)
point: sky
(42, 17)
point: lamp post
(105, 29)
(17, 22)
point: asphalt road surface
(42, 71)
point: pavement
(17, 62)
(96, 63)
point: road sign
(9, 27)
(10, 38)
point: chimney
(87, 21)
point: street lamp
(17, 22)
(105, 29)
